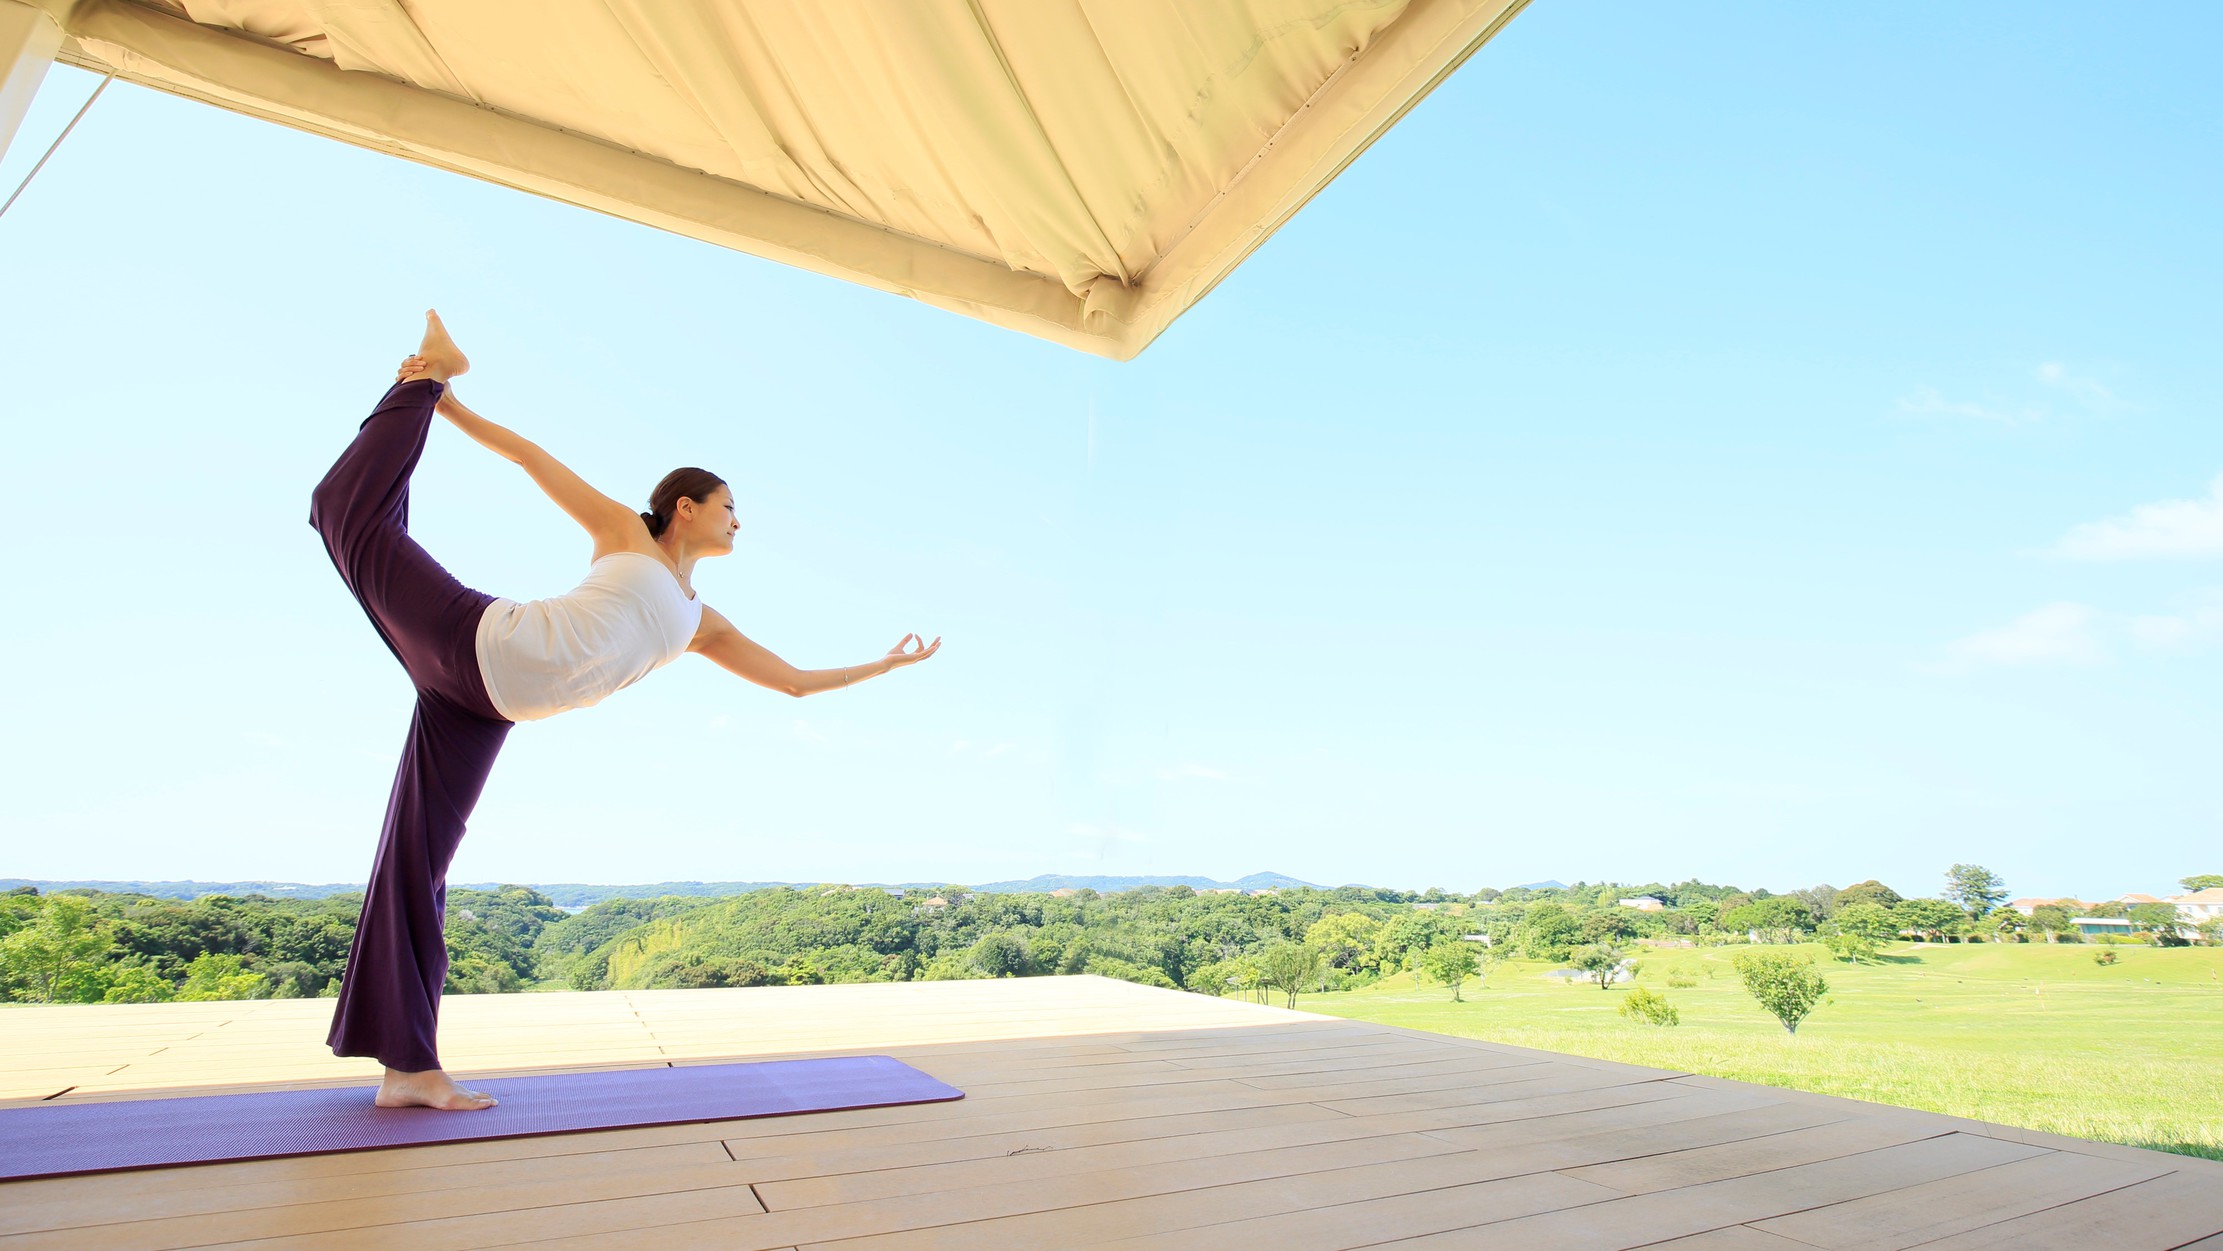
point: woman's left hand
(898, 656)
(411, 367)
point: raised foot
(431, 1088)
(443, 359)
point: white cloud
(2088, 391)
(2055, 634)
(809, 733)
(2169, 631)
(1206, 772)
(1927, 402)
(2191, 527)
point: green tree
(1002, 955)
(1548, 932)
(2053, 919)
(1448, 963)
(1345, 939)
(1849, 946)
(136, 983)
(1410, 933)
(1931, 918)
(1975, 888)
(1787, 985)
(1870, 921)
(1870, 891)
(1286, 967)
(2202, 881)
(60, 957)
(213, 976)
(2160, 921)
(1608, 924)
(1779, 917)
(1601, 961)
(1821, 900)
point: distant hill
(1105, 885)
(576, 895)
(566, 894)
(1547, 885)
(191, 890)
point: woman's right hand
(411, 367)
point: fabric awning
(1081, 170)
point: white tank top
(547, 656)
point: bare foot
(431, 1088)
(442, 358)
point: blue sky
(1768, 443)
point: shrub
(2105, 955)
(1642, 1005)
(1850, 947)
(1681, 979)
(1785, 984)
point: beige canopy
(1081, 170)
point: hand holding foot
(437, 358)
(432, 1088)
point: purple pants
(389, 1003)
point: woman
(481, 664)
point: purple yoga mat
(53, 1140)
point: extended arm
(736, 653)
(610, 523)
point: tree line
(83, 946)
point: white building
(2199, 907)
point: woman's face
(713, 521)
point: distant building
(1268, 891)
(2028, 907)
(1426, 907)
(1221, 890)
(1645, 903)
(2128, 900)
(936, 902)
(2199, 907)
(2101, 925)
(1063, 892)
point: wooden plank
(1158, 1212)
(1644, 1218)
(1194, 1221)
(1584, 1136)
(895, 1138)
(1730, 1238)
(596, 1222)
(141, 1195)
(2167, 1212)
(1954, 1205)
(1551, 1080)
(1697, 1166)
(520, 1204)
(1051, 1196)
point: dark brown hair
(680, 484)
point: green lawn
(2035, 1036)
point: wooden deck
(1097, 1114)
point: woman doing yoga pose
(481, 664)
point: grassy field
(2036, 1036)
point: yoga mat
(59, 1139)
